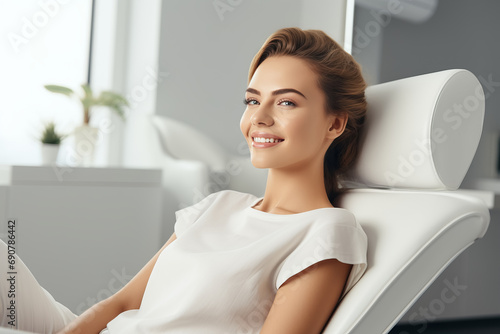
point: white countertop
(66, 175)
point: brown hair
(340, 78)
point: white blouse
(222, 272)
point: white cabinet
(83, 232)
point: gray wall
(207, 55)
(367, 49)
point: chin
(258, 163)
(264, 163)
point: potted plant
(50, 140)
(86, 136)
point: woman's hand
(305, 302)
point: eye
(287, 103)
(250, 101)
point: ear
(336, 125)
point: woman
(277, 264)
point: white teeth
(266, 140)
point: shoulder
(335, 218)
(336, 233)
(342, 224)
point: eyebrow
(278, 91)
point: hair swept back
(340, 78)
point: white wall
(206, 48)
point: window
(42, 42)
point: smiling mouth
(266, 140)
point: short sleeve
(343, 239)
(187, 216)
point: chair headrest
(420, 132)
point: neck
(295, 190)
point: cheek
(304, 132)
(300, 128)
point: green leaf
(50, 135)
(114, 101)
(59, 89)
(88, 97)
(113, 98)
(106, 99)
(88, 91)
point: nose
(262, 116)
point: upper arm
(305, 302)
(130, 296)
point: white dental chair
(420, 138)
(421, 135)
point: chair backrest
(421, 135)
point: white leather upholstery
(412, 237)
(421, 132)
(413, 234)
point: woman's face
(285, 122)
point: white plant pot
(49, 153)
(86, 140)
